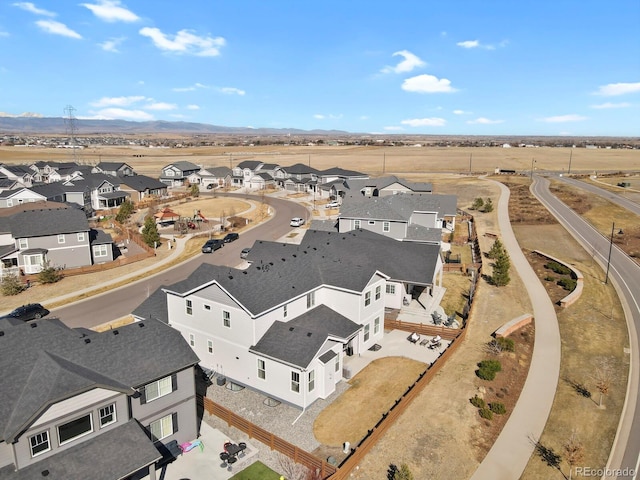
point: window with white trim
(356, 224)
(284, 312)
(391, 289)
(163, 427)
(157, 389)
(210, 346)
(311, 299)
(61, 238)
(295, 382)
(226, 318)
(107, 415)
(367, 298)
(23, 243)
(189, 305)
(100, 251)
(262, 369)
(80, 236)
(67, 432)
(376, 326)
(378, 289)
(192, 340)
(337, 367)
(312, 380)
(367, 327)
(39, 443)
(386, 226)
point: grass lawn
(256, 471)
(457, 285)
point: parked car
(29, 312)
(333, 205)
(245, 252)
(210, 186)
(212, 245)
(230, 237)
(297, 222)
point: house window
(226, 319)
(284, 312)
(192, 340)
(23, 243)
(163, 427)
(80, 236)
(378, 288)
(391, 289)
(10, 202)
(61, 238)
(189, 307)
(311, 299)
(386, 226)
(367, 298)
(206, 307)
(169, 173)
(312, 380)
(376, 326)
(100, 251)
(158, 389)
(367, 327)
(79, 427)
(295, 382)
(210, 346)
(39, 443)
(262, 369)
(356, 224)
(107, 415)
(337, 367)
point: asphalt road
(625, 275)
(122, 301)
(612, 197)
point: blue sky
(409, 67)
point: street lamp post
(532, 162)
(606, 277)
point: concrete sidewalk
(512, 450)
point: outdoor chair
(224, 456)
(243, 447)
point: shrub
(506, 344)
(485, 374)
(497, 408)
(478, 402)
(486, 413)
(11, 285)
(549, 278)
(477, 204)
(487, 369)
(558, 268)
(567, 283)
(50, 274)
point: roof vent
(34, 325)
(45, 473)
(305, 252)
(291, 329)
(230, 277)
(87, 340)
(283, 259)
(1, 333)
(308, 334)
(141, 324)
(271, 263)
(244, 272)
(116, 332)
(294, 255)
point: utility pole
(384, 161)
(470, 158)
(570, 156)
(532, 162)
(606, 277)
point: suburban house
(286, 325)
(408, 217)
(219, 177)
(337, 173)
(176, 174)
(77, 404)
(10, 198)
(254, 175)
(8, 184)
(104, 190)
(35, 234)
(382, 186)
(19, 173)
(43, 171)
(140, 187)
(115, 169)
(70, 173)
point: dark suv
(230, 237)
(29, 312)
(212, 245)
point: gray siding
(6, 455)
(71, 253)
(397, 230)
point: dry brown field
(373, 160)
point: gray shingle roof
(383, 182)
(341, 172)
(140, 183)
(218, 171)
(343, 260)
(298, 341)
(99, 237)
(44, 363)
(184, 166)
(250, 164)
(155, 306)
(38, 223)
(299, 169)
(396, 207)
(94, 180)
(129, 449)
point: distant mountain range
(33, 124)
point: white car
(333, 205)
(297, 222)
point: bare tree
(292, 470)
(574, 451)
(603, 376)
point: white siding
(70, 405)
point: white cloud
(565, 118)
(193, 107)
(461, 112)
(331, 116)
(392, 128)
(469, 44)
(410, 62)
(606, 105)
(57, 28)
(4, 34)
(232, 91)
(30, 7)
(161, 106)
(427, 84)
(184, 42)
(477, 44)
(111, 11)
(614, 89)
(425, 122)
(364, 117)
(319, 116)
(111, 45)
(483, 121)
(113, 113)
(117, 101)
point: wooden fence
(422, 328)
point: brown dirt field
(377, 386)
(212, 208)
